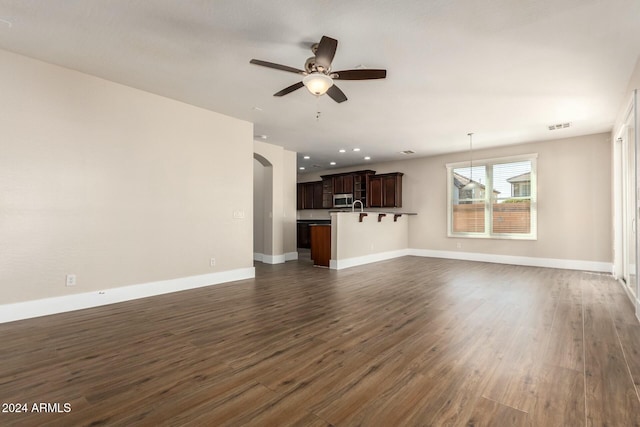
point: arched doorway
(262, 209)
(274, 203)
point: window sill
(492, 237)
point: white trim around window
(492, 211)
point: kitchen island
(362, 237)
(349, 238)
(320, 244)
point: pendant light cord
(470, 157)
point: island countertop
(372, 212)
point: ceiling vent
(408, 152)
(559, 126)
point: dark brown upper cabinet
(343, 184)
(310, 195)
(384, 190)
(327, 192)
(374, 191)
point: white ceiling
(503, 69)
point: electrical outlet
(212, 262)
(71, 280)
(459, 245)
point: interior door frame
(620, 199)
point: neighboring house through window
(521, 185)
(466, 195)
(495, 200)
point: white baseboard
(291, 256)
(566, 264)
(366, 259)
(61, 304)
(269, 259)
(275, 259)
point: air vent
(408, 152)
(559, 126)
(316, 166)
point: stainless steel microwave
(342, 200)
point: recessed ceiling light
(257, 108)
(367, 158)
(342, 150)
(356, 149)
(260, 136)
(306, 157)
(332, 163)
(301, 168)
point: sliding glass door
(631, 133)
(630, 224)
(626, 185)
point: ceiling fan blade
(277, 66)
(336, 94)
(289, 89)
(363, 74)
(326, 51)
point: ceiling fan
(318, 77)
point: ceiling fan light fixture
(317, 83)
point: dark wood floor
(411, 341)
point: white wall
(259, 208)
(289, 205)
(574, 216)
(280, 203)
(355, 242)
(116, 185)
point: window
(494, 199)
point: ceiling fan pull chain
(318, 112)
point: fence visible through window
(493, 199)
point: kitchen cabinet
(304, 240)
(345, 183)
(327, 192)
(384, 190)
(303, 227)
(360, 186)
(300, 196)
(320, 244)
(318, 199)
(374, 191)
(309, 195)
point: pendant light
(471, 185)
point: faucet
(353, 205)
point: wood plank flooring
(410, 341)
